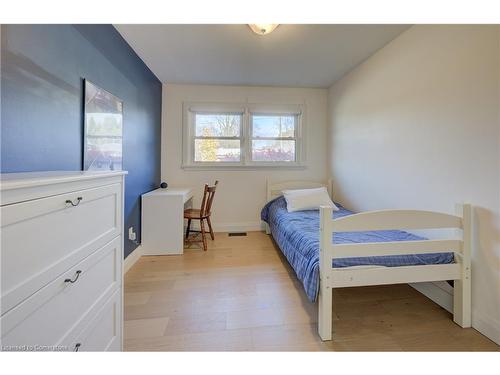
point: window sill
(241, 167)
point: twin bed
(333, 249)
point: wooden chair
(202, 214)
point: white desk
(162, 230)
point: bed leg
(462, 303)
(325, 321)
(325, 318)
(462, 287)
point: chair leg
(210, 227)
(202, 225)
(187, 228)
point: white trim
(11, 181)
(213, 107)
(442, 294)
(275, 109)
(239, 167)
(132, 258)
(123, 263)
(245, 138)
(488, 326)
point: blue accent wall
(42, 72)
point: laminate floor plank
(242, 295)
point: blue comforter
(297, 235)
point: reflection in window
(217, 137)
(273, 138)
(103, 129)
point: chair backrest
(208, 198)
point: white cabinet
(163, 220)
(61, 261)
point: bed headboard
(274, 189)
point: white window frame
(190, 110)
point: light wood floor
(242, 295)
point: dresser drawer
(44, 237)
(104, 332)
(51, 314)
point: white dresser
(61, 261)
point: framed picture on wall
(103, 133)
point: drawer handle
(77, 346)
(78, 200)
(75, 279)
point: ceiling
(292, 56)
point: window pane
(216, 150)
(218, 125)
(273, 150)
(273, 126)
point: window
(218, 135)
(273, 138)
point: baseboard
(238, 227)
(442, 294)
(439, 292)
(132, 258)
(487, 326)
(234, 227)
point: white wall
(417, 125)
(241, 194)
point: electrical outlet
(131, 234)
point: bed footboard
(387, 220)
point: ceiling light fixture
(263, 28)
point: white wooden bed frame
(385, 220)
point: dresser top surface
(10, 181)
